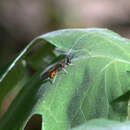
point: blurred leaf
(10, 76)
(11, 80)
(98, 76)
(102, 124)
(15, 71)
(23, 105)
(18, 58)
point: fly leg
(65, 70)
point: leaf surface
(101, 60)
(102, 124)
(98, 76)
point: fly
(51, 72)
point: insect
(52, 70)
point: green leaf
(98, 76)
(42, 57)
(13, 72)
(102, 124)
(13, 79)
(18, 58)
(23, 105)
